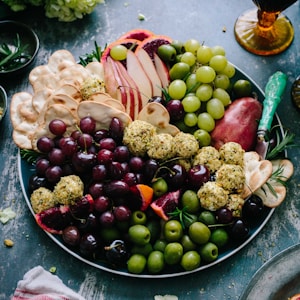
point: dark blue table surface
(208, 21)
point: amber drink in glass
(265, 30)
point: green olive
(155, 262)
(167, 53)
(138, 217)
(199, 233)
(173, 253)
(209, 252)
(136, 263)
(139, 234)
(190, 260)
(220, 237)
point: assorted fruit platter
(140, 160)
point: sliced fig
(166, 204)
(54, 219)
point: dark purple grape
(130, 178)
(116, 188)
(107, 219)
(68, 146)
(71, 235)
(197, 175)
(67, 169)
(121, 154)
(41, 166)
(90, 224)
(115, 170)
(93, 149)
(136, 164)
(116, 129)
(54, 173)
(102, 204)
(122, 213)
(87, 125)
(105, 156)
(89, 245)
(83, 161)
(252, 208)
(56, 157)
(85, 141)
(36, 182)
(75, 134)
(224, 216)
(100, 134)
(99, 173)
(150, 168)
(116, 253)
(57, 127)
(175, 109)
(239, 230)
(45, 144)
(96, 189)
(176, 177)
(158, 99)
(125, 167)
(107, 143)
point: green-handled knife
(273, 93)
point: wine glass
(265, 30)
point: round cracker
(102, 113)
(107, 99)
(71, 90)
(272, 198)
(37, 72)
(40, 97)
(95, 69)
(60, 60)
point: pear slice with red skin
(150, 70)
(162, 71)
(132, 85)
(137, 73)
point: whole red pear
(239, 124)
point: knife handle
(273, 92)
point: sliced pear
(162, 71)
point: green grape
(229, 70)
(203, 137)
(204, 92)
(192, 83)
(118, 52)
(206, 122)
(222, 95)
(177, 89)
(190, 119)
(188, 58)
(215, 108)
(222, 81)
(191, 45)
(218, 50)
(191, 103)
(179, 70)
(218, 62)
(204, 54)
(205, 74)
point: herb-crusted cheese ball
(212, 196)
(161, 146)
(231, 178)
(235, 204)
(69, 189)
(90, 86)
(208, 156)
(42, 199)
(138, 136)
(232, 153)
(185, 145)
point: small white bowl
(3, 102)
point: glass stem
(266, 19)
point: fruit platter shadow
(25, 171)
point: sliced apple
(137, 105)
(150, 70)
(137, 73)
(162, 71)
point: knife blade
(273, 94)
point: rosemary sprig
(14, 56)
(29, 155)
(183, 216)
(90, 57)
(284, 142)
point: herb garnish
(13, 56)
